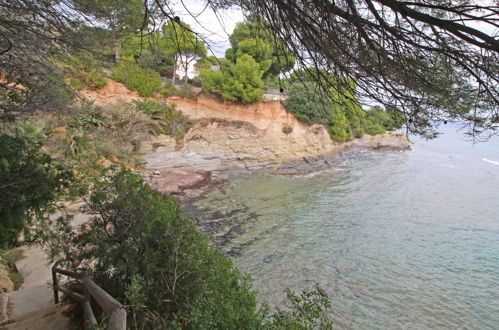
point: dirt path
(32, 306)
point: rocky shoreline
(191, 184)
(175, 170)
(226, 137)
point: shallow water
(397, 239)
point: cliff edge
(258, 136)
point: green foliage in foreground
(29, 182)
(144, 252)
(135, 78)
(340, 112)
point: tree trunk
(117, 50)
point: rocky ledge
(175, 181)
(216, 149)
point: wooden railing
(115, 310)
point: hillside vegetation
(141, 248)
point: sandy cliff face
(254, 136)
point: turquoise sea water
(397, 239)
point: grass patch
(10, 258)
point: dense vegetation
(136, 78)
(339, 110)
(30, 181)
(241, 81)
(256, 56)
(143, 251)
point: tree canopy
(433, 60)
(253, 38)
(179, 40)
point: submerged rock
(175, 181)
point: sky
(214, 27)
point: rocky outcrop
(175, 181)
(261, 136)
(224, 135)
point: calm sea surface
(397, 239)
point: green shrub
(339, 128)
(374, 128)
(156, 262)
(93, 79)
(147, 255)
(309, 104)
(241, 82)
(358, 132)
(76, 83)
(167, 90)
(389, 120)
(340, 110)
(135, 78)
(186, 91)
(244, 84)
(83, 69)
(171, 121)
(29, 182)
(213, 81)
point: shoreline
(183, 179)
(223, 225)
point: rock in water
(175, 181)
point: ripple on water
(397, 240)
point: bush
(241, 82)
(29, 182)
(389, 120)
(358, 132)
(186, 91)
(340, 110)
(309, 104)
(94, 133)
(286, 129)
(76, 83)
(213, 81)
(83, 70)
(339, 128)
(244, 84)
(168, 89)
(373, 128)
(135, 78)
(93, 79)
(147, 255)
(171, 121)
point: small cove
(398, 239)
